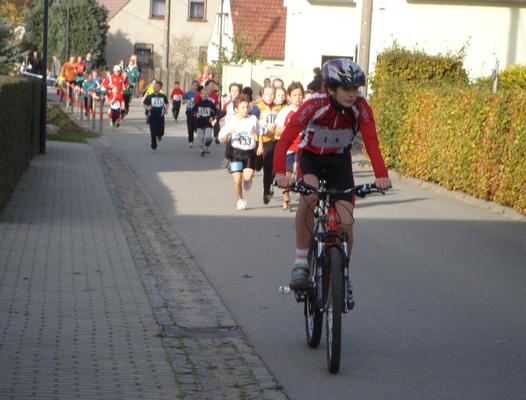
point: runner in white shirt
(241, 131)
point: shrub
(459, 136)
(513, 78)
(19, 130)
(403, 64)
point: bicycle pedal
(284, 289)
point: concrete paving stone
(59, 266)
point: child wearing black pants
(156, 103)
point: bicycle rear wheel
(333, 318)
(313, 314)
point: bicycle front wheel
(333, 319)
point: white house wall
(314, 31)
(490, 32)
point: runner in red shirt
(295, 94)
(176, 97)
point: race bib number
(157, 102)
(204, 111)
(270, 119)
(332, 138)
(245, 140)
(177, 97)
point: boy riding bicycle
(329, 122)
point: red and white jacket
(329, 128)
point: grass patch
(69, 131)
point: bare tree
(184, 56)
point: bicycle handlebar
(360, 190)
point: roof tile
(113, 6)
(262, 24)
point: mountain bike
(329, 289)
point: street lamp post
(43, 90)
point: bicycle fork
(348, 300)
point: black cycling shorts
(242, 159)
(336, 169)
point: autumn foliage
(461, 136)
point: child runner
(227, 111)
(176, 97)
(127, 92)
(147, 91)
(133, 74)
(189, 99)
(241, 130)
(89, 87)
(295, 94)
(329, 121)
(156, 104)
(267, 120)
(281, 97)
(116, 104)
(204, 112)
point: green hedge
(459, 136)
(397, 62)
(19, 130)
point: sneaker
(202, 154)
(267, 197)
(118, 124)
(300, 277)
(111, 124)
(190, 145)
(241, 204)
(207, 151)
(217, 141)
(154, 150)
(159, 138)
(350, 299)
(286, 206)
(247, 185)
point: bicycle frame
(326, 235)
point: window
(158, 8)
(197, 9)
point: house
(489, 30)
(138, 27)
(257, 28)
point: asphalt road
(440, 284)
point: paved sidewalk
(75, 321)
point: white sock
(301, 256)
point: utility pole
(166, 58)
(365, 37)
(43, 86)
